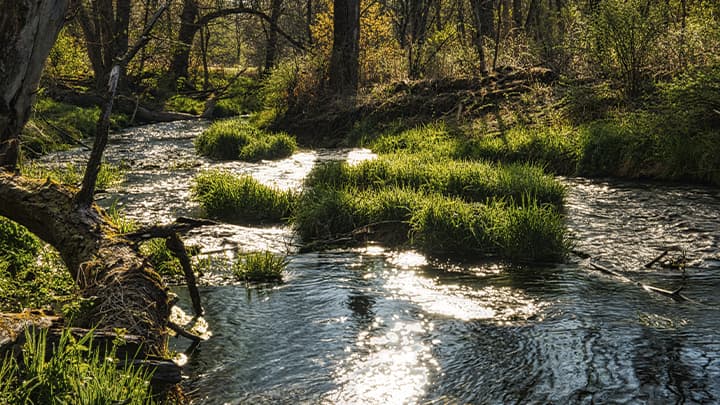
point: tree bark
(28, 30)
(344, 60)
(188, 28)
(271, 47)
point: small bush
(260, 267)
(73, 372)
(241, 198)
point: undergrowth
(237, 139)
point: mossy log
(126, 292)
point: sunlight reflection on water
(393, 367)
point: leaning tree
(127, 292)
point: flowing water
(379, 326)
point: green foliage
(72, 372)
(271, 146)
(224, 139)
(415, 192)
(18, 247)
(260, 267)
(238, 139)
(226, 196)
(68, 58)
(116, 217)
(185, 104)
(244, 97)
(624, 35)
(434, 139)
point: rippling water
(378, 326)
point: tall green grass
(241, 198)
(435, 223)
(236, 138)
(74, 372)
(469, 180)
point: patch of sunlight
(461, 301)
(356, 156)
(408, 259)
(393, 367)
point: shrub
(241, 198)
(260, 267)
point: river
(381, 326)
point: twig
(655, 260)
(182, 332)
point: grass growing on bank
(73, 372)
(260, 267)
(110, 174)
(54, 125)
(226, 196)
(237, 139)
(31, 275)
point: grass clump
(260, 267)
(238, 139)
(74, 371)
(226, 196)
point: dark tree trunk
(180, 64)
(28, 30)
(517, 13)
(344, 64)
(106, 29)
(483, 19)
(418, 13)
(271, 47)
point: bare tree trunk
(483, 19)
(344, 64)
(180, 64)
(271, 47)
(28, 30)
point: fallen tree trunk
(126, 292)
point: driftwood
(675, 295)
